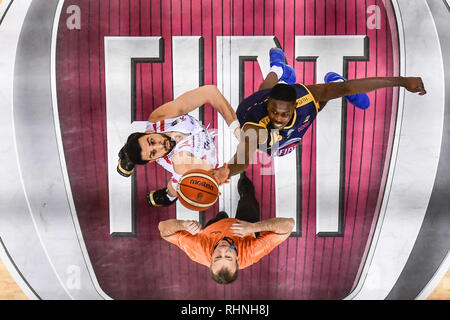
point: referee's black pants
(248, 206)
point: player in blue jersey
(274, 119)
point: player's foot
(158, 198)
(245, 186)
(359, 100)
(277, 58)
(288, 75)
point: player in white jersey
(197, 142)
(177, 141)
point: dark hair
(283, 92)
(224, 276)
(132, 149)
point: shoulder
(256, 112)
(184, 240)
(266, 242)
(158, 124)
(256, 102)
(305, 96)
(197, 247)
(253, 249)
(178, 237)
(301, 89)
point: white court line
(61, 154)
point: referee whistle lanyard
(230, 242)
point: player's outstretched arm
(333, 90)
(193, 99)
(251, 136)
(171, 226)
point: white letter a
(74, 21)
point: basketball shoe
(278, 59)
(359, 100)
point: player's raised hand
(192, 226)
(241, 228)
(221, 174)
(415, 84)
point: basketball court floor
(368, 189)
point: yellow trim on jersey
(264, 121)
(304, 100)
(255, 124)
(310, 99)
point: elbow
(211, 87)
(161, 229)
(291, 223)
(210, 93)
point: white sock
(278, 70)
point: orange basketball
(198, 190)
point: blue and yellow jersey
(253, 110)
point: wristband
(235, 124)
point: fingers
(420, 87)
(226, 178)
(237, 232)
(215, 174)
(193, 226)
(239, 229)
(221, 174)
(235, 229)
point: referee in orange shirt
(227, 245)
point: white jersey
(199, 142)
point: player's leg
(359, 100)
(248, 206)
(279, 70)
(269, 82)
